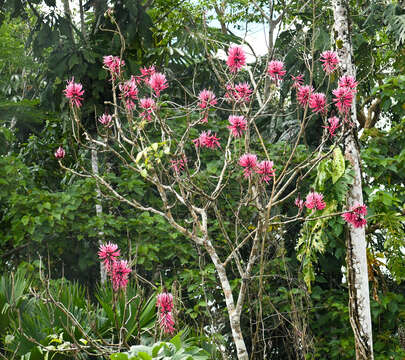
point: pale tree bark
(99, 210)
(357, 272)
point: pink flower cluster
(118, 270)
(238, 125)
(297, 81)
(207, 140)
(158, 83)
(207, 99)
(250, 165)
(113, 64)
(317, 103)
(74, 92)
(236, 59)
(303, 94)
(239, 93)
(329, 61)
(276, 70)
(356, 216)
(60, 153)
(344, 94)
(165, 305)
(148, 105)
(129, 92)
(179, 165)
(334, 124)
(106, 120)
(313, 200)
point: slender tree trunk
(99, 210)
(68, 15)
(82, 22)
(357, 271)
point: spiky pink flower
(165, 302)
(238, 125)
(148, 72)
(329, 61)
(236, 58)
(108, 253)
(348, 82)
(249, 163)
(60, 153)
(158, 83)
(207, 99)
(74, 92)
(314, 200)
(343, 100)
(120, 272)
(207, 140)
(240, 92)
(297, 81)
(113, 64)
(265, 169)
(129, 92)
(303, 94)
(165, 306)
(276, 70)
(356, 216)
(148, 105)
(317, 102)
(299, 203)
(334, 124)
(178, 165)
(106, 120)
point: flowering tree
(167, 144)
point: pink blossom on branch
(240, 92)
(108, 253)
(236, 58)
(356, 216)
(120, 273)
(297, 81)
(207, 140)
(314, 200)
(276, 70)
(113, 64)
(329, 61)
(304, 94)
(179, 165)
(317, 102)
(334, 124)
(249, 163)
(60, 153)
(343, 99)
(207, 99)
(299, 203)
(158, 83)
(148, 105)
(74, 92)
(106, 120)
(238, 125)
(129, 92)
(348, 81)
(265, 169)
(165, 306)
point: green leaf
(119, 356)
(338, 165)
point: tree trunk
(357, 272)
(99, 211)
